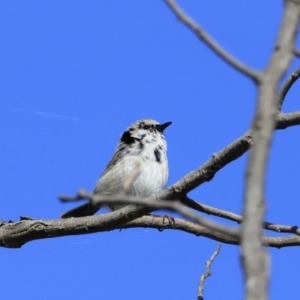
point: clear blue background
(73, 75)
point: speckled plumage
(143, 144)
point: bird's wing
(112, 180)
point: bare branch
(288, 120)
(152, 204)
(15, 235)
(224, 214)
(207, 273)
(211, 43)
(220, 159)
(197, 230)
(255, 261)
(286, 87)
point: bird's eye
(146, 127)
(131, 129)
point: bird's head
(145, 129)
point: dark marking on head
(157, 155)
(160, 147)
(127, 138)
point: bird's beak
(162, 127)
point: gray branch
(211, 43)
(15, 235)
(286, 87)
(207, 273)
(174, 205)
(254, 259)
(224, 214)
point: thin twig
(207, 273)
(286, 87)
(162, 204)
(197, 230)
(210, 210)
(224, 214)
(211, 43)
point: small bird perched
(143, 144)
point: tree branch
(197, 230)
(153, 205)
(220, 159)
(288, 120)
(207, 273)
(286, 87)
(211, 43)
(224, 214)
(254, 260)
(15, 235)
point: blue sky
(74, 74)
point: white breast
(154, 174)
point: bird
(142, 145)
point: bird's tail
(81, 211)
